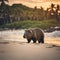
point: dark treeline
(19, 12)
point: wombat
(35, 34)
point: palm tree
(58, 7)
(52, 5)
(56, 13)
(52, 8)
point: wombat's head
(27, 34)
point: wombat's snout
(23, 36)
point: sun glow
(33, 3)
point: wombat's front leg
(42, 39)
(28, 40)
(34, 40)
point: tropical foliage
(19, 12)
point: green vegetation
(31, 24)
(20, 12)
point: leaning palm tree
(3, 9)
(3, 2)
(2, 6)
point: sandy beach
(14, 47)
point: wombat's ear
(30, 31)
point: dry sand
(23, 51)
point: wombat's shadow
(4, 42)
(2, 51)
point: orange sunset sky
(38, 3)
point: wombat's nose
(23, 36)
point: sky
(38, 3)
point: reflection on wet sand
(53, 40)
